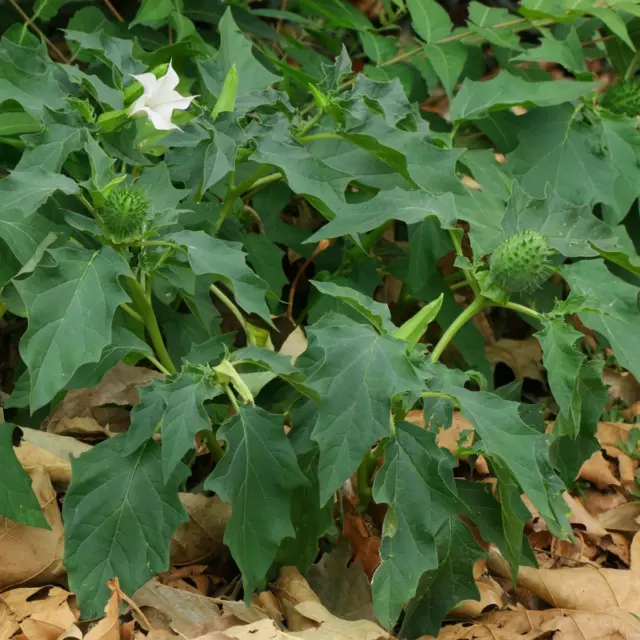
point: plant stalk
(145, 309)
(227, 302)
(476, 306)
(325, 135)
(311, 122)
(213, 445)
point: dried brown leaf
(330, 627)
(30, 553)
(200, 538)
(342, 586)
(583, 588)
(119, 386)
(523, 357)
(365, 546)
(634, 553)
(559, 624)
(599, 471)
(31, 457)
(623, 518)
(622, 386)
(292, 589)
(597, 502)
(491, 595)
(109, 627)
(176, 609)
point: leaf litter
(586, 588)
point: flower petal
(149, 83)
(160, 122)
(169, 80)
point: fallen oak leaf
(119, 386)
(559, 624)
(30, 553)
(175, 609)
(598, 471)
(292, 589)
(583, 588)
(342, 585)
(109, 627)
(200, 538)
(623, 518)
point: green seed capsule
(521, 262)
(125, 214)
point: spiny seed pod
(125, 214)
(521, 262)
(623, 99)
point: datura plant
(154, 188)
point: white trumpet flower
(159, 99)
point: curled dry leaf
(292, 589)
(176, 609)
(109, 627)
(29, 553)
(558, 624)
(610, 433)
(40, 613)
(200, 538)
(32, 457)
(79, 427)
(190, 578)
(597, 502)
(365, 546)
(622, 386)
(294, 345)
(634, 553)
(582, 588)
(119, 386)
(599, 471)
(523, 357)
(342, 585)
(623, 518)
(452, 438)
(492, 595)
(582, 518)
(311, 619)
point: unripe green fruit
(125, 214)
(520, 263)
(623, 99)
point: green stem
(520, 308)
(477, 305)
(158, 365)
(251, 183)
(469, 277)
(325, 135)
(438, 394)
(227, 302)
(90, 208)
(247, 184)
(273, 177)
(232, 398)
(212, 444)
(152, 243)
(311, 122)
(633, 67)
(134, 314)
(365, 474)
(145, 309)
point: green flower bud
(521, 262)
(125, 214)
(623, 99)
